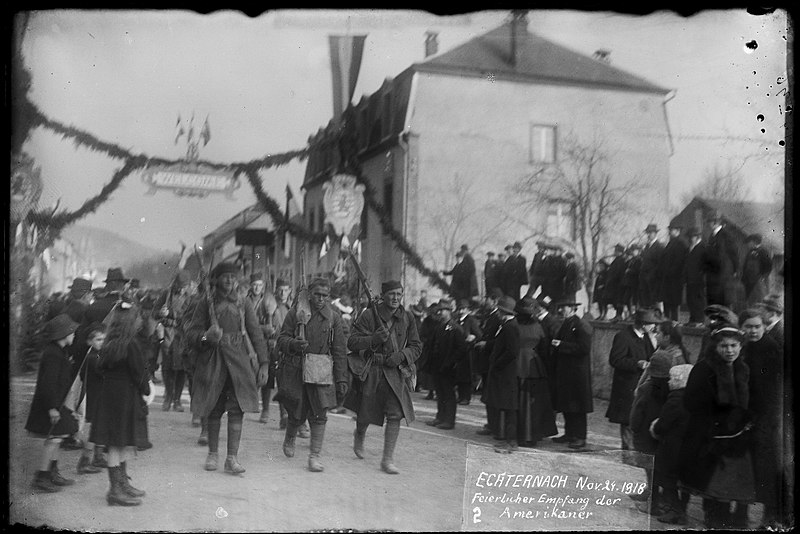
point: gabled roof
(537, 60)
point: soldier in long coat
(502, 389)
(695, 276)
(650, 275)
(385, 346)
(573, 374)
(673, 265)
(324, 334)
(225, 374)
(630, 353)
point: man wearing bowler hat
(723, 262)
(651, 273)
(630, 353)
(674, 261)
(570, 349)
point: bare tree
(723, 181)
(457, 214)
(582, 178)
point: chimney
(519, 25)
(431, 43)
(602, 55)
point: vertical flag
(205, 133)
(287, 245)
(179, 131)
(190, 136)
(346, 53)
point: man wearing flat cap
(755, 270)
(227, 375)
(695, 276)
(301, 343)
(673, 265)
(630, 353)
(722, 262)
(651, 274)
(386, 346)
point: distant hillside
(109, 249)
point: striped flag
(346, 53)
(179, 131)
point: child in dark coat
(669, 429)
(650, 398)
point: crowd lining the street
(715, 427)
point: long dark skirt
(537, 419)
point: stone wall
(602, 337)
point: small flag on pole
(179, 130)
(190, 136)
(205, 133)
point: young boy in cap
(386, 346)
(48, 417)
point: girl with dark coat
(668, 428)
(48, 418)
(765, 359)
(715, 460)
(120, 421)
(650, 398)
(536, 417)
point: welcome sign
(193, 181)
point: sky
(265, 85)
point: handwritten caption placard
(544, 490)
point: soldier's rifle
(206, 286)
(301, 301)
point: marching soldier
(386, 347)
(303, 399)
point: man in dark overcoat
(483, 350)
(695, 276)
(651, 272)
(723, 263)
(630, 353)
(491, 272)
(614, 289)
(464, 283)
(471, 327)
(755, 270)
(571, 277)
(449, 350)
(674, 262)
(502, 388)
(516, 272)
(226, 377)
(321, 334)
(555, 267)
(571, 348)
(384, 349)
(536, 271)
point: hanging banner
(344, 201)
(190, 180)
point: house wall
(477, 132)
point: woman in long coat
(120, 422)
(765, 358)
(536, 417)
(502, 390)
(225, 374)
(715, 460)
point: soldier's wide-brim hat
(115, 275)
(59, 327)
(507, 304)
(81, 284)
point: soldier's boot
(284, 415)
(212, 428)
(179, 378)
(85, 466)
(125, 482)
(390, 435)
(359, 434)
(55, 475)
(232, 465)
(288, 440)
(203, 439)
(302, 432)
(116, 494)
(43, 483)
(317, 435)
